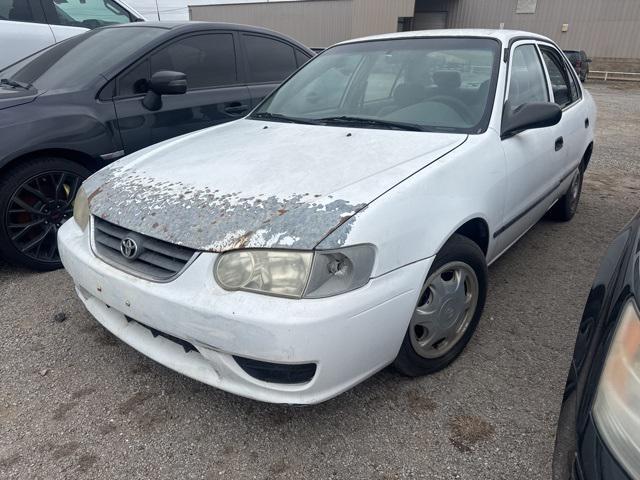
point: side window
(269, 60)
(134, 81)
(527, 83)
(301, 58)
(563, 92)
(89, 13)
(576, 93)
(207, 60)
(16, 10)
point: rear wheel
(567, 206)
(36, 198)
(448, 309)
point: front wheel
(36, 198)
(448, 310)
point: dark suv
(580, 62)
(80, 104)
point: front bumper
(349, 337)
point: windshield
(430, 84)
(80, 59)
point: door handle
(236, 108)
(559, 143)
(586, 123)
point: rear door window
(268, 59)
(565, 91)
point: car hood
(258, 184)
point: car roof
(505, 36)
(196, 26)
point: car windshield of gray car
(419, 84)
(79, 60)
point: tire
(461, 256)
(36, 197)
(567, 206)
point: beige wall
(316, 24)
(603, 28)
(371, 17)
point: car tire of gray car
(567, 206)
(448, 310)
(36, 197)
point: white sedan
(344, 225)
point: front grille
(188, 347)
(157, 260)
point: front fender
(413, 220)
(45, 125)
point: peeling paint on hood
(258, 184)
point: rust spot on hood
(212, 220)
(94, 193)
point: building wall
(371, 17)
(316, 24)
(603, 28)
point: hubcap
(445, 309)
(36, 211)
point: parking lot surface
(75, 402)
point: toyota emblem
(129, 248)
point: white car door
(23, 30)
(566, 92)
(534, 157)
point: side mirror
(164, 82)
(528, 116)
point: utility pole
(158, 10)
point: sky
(174, 9)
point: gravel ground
(77, 403)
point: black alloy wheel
(34, 203)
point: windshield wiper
(278, 117)
(14, 84)
(373, 122)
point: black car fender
(70, 131)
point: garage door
(429, 20)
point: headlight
(81, 209)
(617, 407)
(339, 271)
(289, 273)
